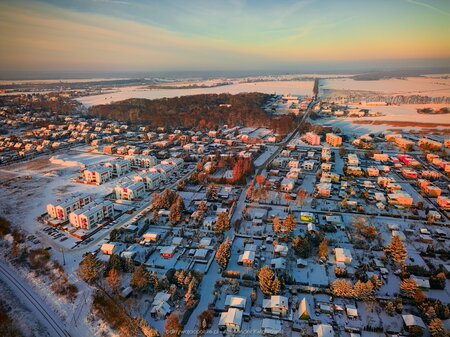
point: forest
(206, 111)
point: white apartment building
(98, 174)
(130, 190)
(91, 214)
(62, 209)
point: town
(234, 230)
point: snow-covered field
(272, 87)
(430, 86)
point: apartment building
(130, 190)
(312, 138)
(92, 214)
(62, 209)
(98, 174)
(333, 140)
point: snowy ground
(272, 87)
(429, 86)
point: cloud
(426, 5)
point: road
(209, 280)
(33, 301)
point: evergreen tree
(222, 223)
(140, 279)
(437, 329)
(114, 280)
(172, 328)
(276, 225)
(176, 210)
(268, 281)
(342, 288)
(211, 193)
(289, 224)
(323, 248)
(223, 253)
(396, 250)
(409, 287)
(363, 290)
(302, 247)
(115, 262)
(88, 269)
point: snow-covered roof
(232, 317)
(323, 330)
(235, 301)
(411, 320)
(271, 326)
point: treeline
(206, 111)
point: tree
(363, 290)
(342, 288)
(289, 224)
(172, 328)
(396, 250)
(268, 281)
(146, 328)
(390, 308)
(140, 279)
(276, 225)
(211, 193)
(342, 151)
(222, 223)
(323, 248)
(202, 206)
(176, 210)
(376, 282)
(5, 227)
(302, 247)
(88, 269)
(437, 329)
(115, 262)
(223, 253)
(408, 287)
(114, 280)
(206, 318)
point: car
(36, 241)
(48, 248)
(64, 239)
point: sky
(182, 35)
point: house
(247, 258)
(205, 242)
(343, 255)
(380, 156)
(150, 236)
(323, 330)
(400, 198)
(237, 302)
(443, 202)
(281, 250)
(276, 305)
(109, 248)
(278, 264)
(373, 172)
(271, 326)
(308, 165)
(302, 263)
(304, 310)
(324, 189)
(351, 311)
(287, 185)
(409, 173)
(411, 320)
(231, 320)
(168, 252)
(432, 191)
(160, 306)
